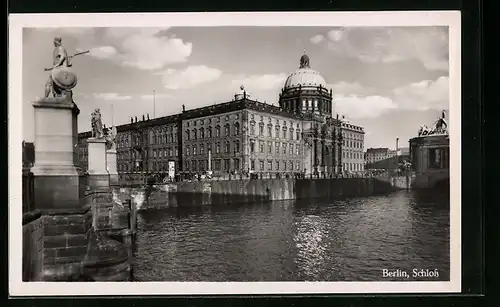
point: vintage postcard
(234, 153)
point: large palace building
(243, 135)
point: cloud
(317, 39)
(347, 88)
(428, 45)
(189, 77)
(260, 82)
(149, 48)
(335, 35)
(111, 96)
(424, 95)
(141, 48)
(103, 52)
(357, 101)
(354, 106)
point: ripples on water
(349, 240)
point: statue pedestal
(58, 181)
(98, 179)
(111, 166)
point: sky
(390, 80)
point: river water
(348, 240)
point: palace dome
(305, 76)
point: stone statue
(110, 138)
(97, 131)
(441, 125)
(61, 79)
(424, 130)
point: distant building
(353, 146)
(403, 151)
(373, 155)
(245, 135)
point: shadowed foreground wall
(258, 190)
(32, 246)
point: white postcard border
(415, 18)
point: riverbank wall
(232, 192)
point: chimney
(397, 144)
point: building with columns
(247, 136)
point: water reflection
(349, 240)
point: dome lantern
(304, 61)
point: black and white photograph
(234, 153)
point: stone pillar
(111, 166)
(59, 188)
(58, 182)
(98, 179)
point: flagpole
(154, 104)
(112, 115)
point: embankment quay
(228, 192)
(96, 241)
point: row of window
(275, 165)
(352, 155)
(279, 147)
(352, 144)
(216, 165)
(353, 167)
(201, 122)
(352, 135)
(202, 133)
(278, 133)
(199, 149)
(277, 121)
(315, 106)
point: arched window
(202, 133)
(209, 131)
(187, 134)
(217, 131)
(195, 132)
(226, 130)
(237, 129)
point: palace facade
(244, 135)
